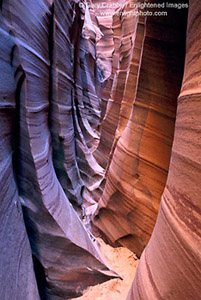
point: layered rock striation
(50, 117)
(88, 107)
(17, 276)
(145, 90)
(170, 266)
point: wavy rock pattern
(16, 267)
(117, 42)
(144, 119)
(57, 118)
(88, 107)
(107, 63)
(170, 267)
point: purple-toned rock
(17, 278)
(56, 120)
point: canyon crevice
(100, 120)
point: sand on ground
(124, 262)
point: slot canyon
(100, 150)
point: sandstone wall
(17, 279)
(170, 266)
(88, 108)
(49, 104)
(145, 93)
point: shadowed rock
(52, 125)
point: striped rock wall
(50, 116)
(170, 266)
(143, 110)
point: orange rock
(170, 266)
(140, 156)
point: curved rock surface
(88, 107)
(17, 277)
(170, 266)
(56, 113)
(145, 91)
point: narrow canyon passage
(100, 150)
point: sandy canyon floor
(124, 262)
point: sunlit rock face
(50, 115)
(170, 267)
(142, 110)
